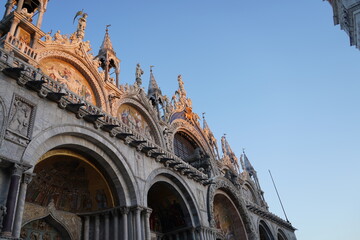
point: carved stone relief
(71, 222)
(21, 121)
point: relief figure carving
(20, 119)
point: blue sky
(276, 76)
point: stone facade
(84, 157)
(347, 15)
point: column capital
(147, 211)
(18, 170)
(27, 177)
(124, 210)
(137, 208)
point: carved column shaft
(11, 200)
(27, 177)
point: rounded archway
(69, 187)
(227, 218)
(264, 231)
(170, 216)
(72, 181)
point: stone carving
(168, 136)
(138, 74)
(26, 14)
(80, 32)
(71, 222)
(22, 114)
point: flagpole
(279, 197)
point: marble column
(12, 199)
(97, 227)
(137, 211)
(14, 24)
(27, 177)
(86, 227)
(116, 223)
(40, 18)
(107, 226)
(147, 223)
(125, 212)
(20, 6)
(9, 5)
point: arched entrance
(227, 218)
(70, 186)
(170, 218)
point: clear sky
(276, 76)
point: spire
(106, 45)
(154, 94)
(229, 155)
(153, 89)
(210, 136)
(108, 59)
(247, 165)
(205, 125)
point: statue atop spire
(139, 72)
(80, 32)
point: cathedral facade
(85, 157)
(346, 14)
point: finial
(243, 150)
(107, 27)
(203, 115)
(151, 66)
